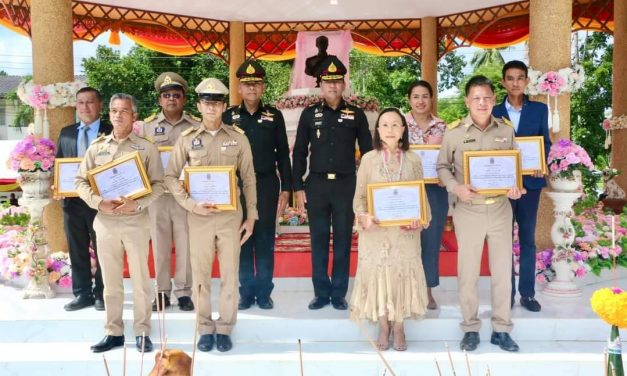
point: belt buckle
(331, 176)
(490, 201)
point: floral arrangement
(298, 101)
(293, 217)
(610, 124)
(59, 270)
(544, 260)
(56, 95)
(610, 304)
(565, 80)
(565, 157)
(32, 154)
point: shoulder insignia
(507, 121)
(100, 137)
(187, 131)
(196, 118)
(454, 124)
(238, 129)
(150, 118)
(267, 113)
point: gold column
(237, 53)
(51, 35)
(429, 55)
(549, 49)
(619, 90)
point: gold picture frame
(135, 185)
(426, 147)
(165, 150)
(539, 142)
(374, 188)
(226, 200)
(62, 167)
(511, 156)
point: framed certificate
(493, 171)
(65, 170)
(212, 184)
(125, 176)
(164, 153)
(531, 154)
(429, 157)
(398, 203)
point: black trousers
(330, 203)
(256, 260)
(78, 220)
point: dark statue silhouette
(312, 64)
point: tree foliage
(589, 103)
(24, 113)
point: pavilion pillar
(237, 54)
(550, 23)
(619, 90)
(429, 55)
(51, 35)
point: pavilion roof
(271, 26)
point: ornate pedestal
(35, 186)
(562, 235)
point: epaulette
(196, 118)
(147, 138)
(454, 124)
(188, 131)
(150, 118)
(507, 121)
(238, 129)
(99, 138)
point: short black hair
(516, 64)
(376, 140)
(422, 83)
(478, 81)
(89, 89)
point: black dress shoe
(470, 341)
(339, 303)
(265, 303)
(147, 344)
(223, 342)
(108, 343)
(158, 303)
(205, 343)
(80, 302)
(186, 304)
(504, 341)
(99, 304)
(245, 302)
(530, 303)
(318, 302)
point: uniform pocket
(196, 157)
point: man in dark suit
(78, 218)
(529, 118)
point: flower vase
(36, 196)
(614, 355)
(562, 184)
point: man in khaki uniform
(122, 225)
(480, 217)
(168, 220)
(214, 144)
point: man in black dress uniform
(78, 218)
(265, 128)
(329, 129)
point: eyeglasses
(171, 95)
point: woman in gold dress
(390, 283)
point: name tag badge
(196, 143)
(137, 147)
(229, 143)
(469, 140)
(499, 139)
(318, 123)
(347, 116)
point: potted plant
(33, 159)
(569, 164)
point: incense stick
(195, 330)
(450, 358)
(163, 319)
(467, 363)
(300, 353)
(437, 366)
(141, 369)
(106, 365)
(124, 360)
(376, 348)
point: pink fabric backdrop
(340, 44)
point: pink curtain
(340, 44)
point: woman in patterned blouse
(425, 128)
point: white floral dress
(390, 278)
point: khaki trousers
(115, 235)
(206, 233)
(168, 221)
(474, 223)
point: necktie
(83, 143)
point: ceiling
(306, 10)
